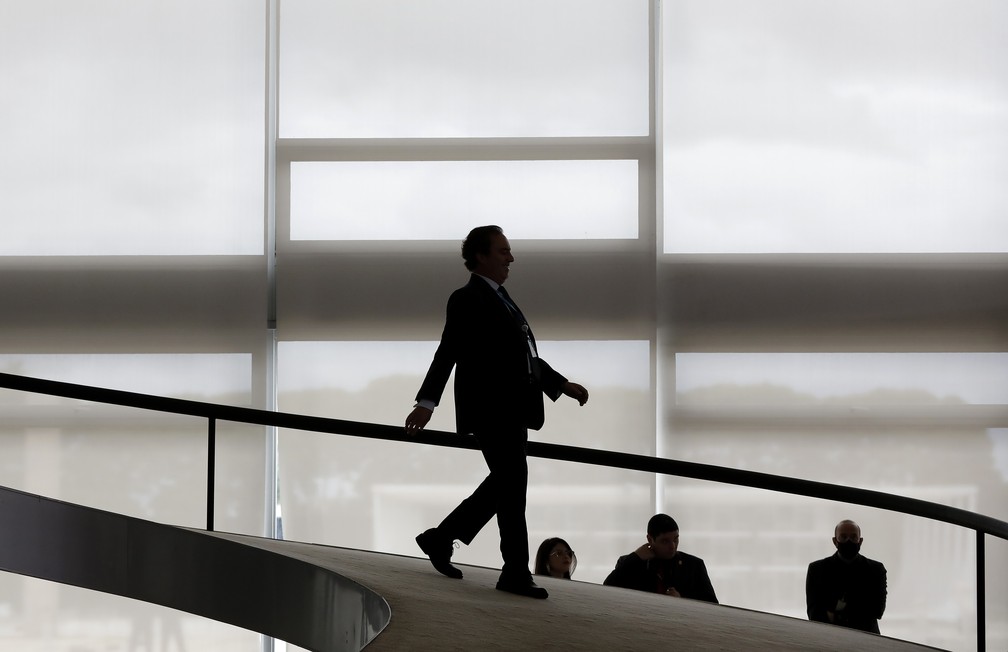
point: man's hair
(660, 524)
(846, 521)
(478, 242)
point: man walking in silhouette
(499, 385)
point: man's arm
(445, 358)
(705, 590)
(866, 598)
(555, 385)
(876, 598)
(628, 572)
(814, 603)
(576, 392)
(417, 419)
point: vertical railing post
(211, 457)
(981, 604)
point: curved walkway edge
(433, 612)
(228, 580)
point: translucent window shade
(223, 377)
(355, 366)
(359, 380)
(132, 130)
(43, 615)
(815, 127)
(369, 494)
(457, 68)
(999, 443)
(132, 461)
(829, 378)
(435, 200)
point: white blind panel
(213, 377)
(138, 462)
(439, 200)
(453, 68)
(842, 378)
(358, 366)
(132, 128)
(371, 494)
(856, 127)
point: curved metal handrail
(629, 461)
(981, 524)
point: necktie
(533, 355)
(509, 303)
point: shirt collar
(493, 284)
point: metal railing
(212, 412)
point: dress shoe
(440, 551)
(522, 586)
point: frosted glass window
(132, 461)
(437, 200)
(220, 377)
(453, 68)
(840, 378)
(794, 126)
(377, 382)
(360, 366)
(999, 442)
(42, 615)
(372, 494)
(132, 129)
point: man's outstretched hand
(417, 419)
(576, 392)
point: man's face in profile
(665, 545)
(496, 262)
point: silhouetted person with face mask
(846, 589)
(500, 381)
(659, 566)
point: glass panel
(435, 200)
(240, 479)
(757, 546)
(136, 462)
(454, 68)
(795, 126)
(999, 440)
(997, 601)
(354, 380)
(378, 495)
(132, 129)
(960, 463)
(213, 377)
(841, 378)
(40, 615)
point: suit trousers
(502, 493)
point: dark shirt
(860, 584)
(685, 573)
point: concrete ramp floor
(433, 612)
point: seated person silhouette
(659, 566)
(555, 559)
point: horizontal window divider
(465, 149)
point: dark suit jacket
(686, 573)
(484, 342)
(861, 583)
